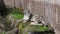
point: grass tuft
(17, 14)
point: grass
(17, 13)
(22, 26)
(38, 28)
(32, 27)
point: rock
(2, 26)
(13, 31)
(10, 19)
(36, 30)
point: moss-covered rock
(14, 16)
(37, 28)
(17, 13)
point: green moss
(22, 26)
(38, 28)
(18, 16)
(3, 32)
(31, 27)
(17, 13)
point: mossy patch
(22, 26)
(17, 13)
(38, 28)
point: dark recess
(45, 32)
(3, 11)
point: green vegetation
(3, 32)
(38, 28)
(17, 13)
(22, 26)
(26, 29)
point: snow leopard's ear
(41, 17)
(28, 10)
